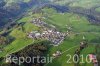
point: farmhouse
(93, 58)
(56, 54)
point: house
(57, 54)
(93, 58)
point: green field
(98, 9)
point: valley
(79, 25)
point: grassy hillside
(78, 23)
(86, 3)
(9, 2)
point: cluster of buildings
(54, 36)
(38, 22)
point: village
(49, 33)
